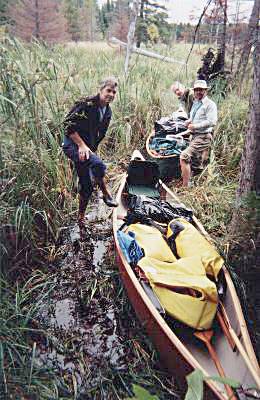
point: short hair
(110, 81)
(177, 85)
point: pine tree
(152, 13)
(105, 17)
(120, 21)
(71, 13)
(38, 19)
(89, 15)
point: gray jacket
(205, 117)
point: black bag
(169, 126)
(142, 172)
(158, 210)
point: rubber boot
(83, 202)
(108, 199)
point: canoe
(153, 153)
(179, 354)
(169, 165)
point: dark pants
(87, 170)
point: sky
(180, 10)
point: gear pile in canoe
(179, 285)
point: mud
(84, 338)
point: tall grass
(18, 332)
(38, 86)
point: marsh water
(83, 335)
(89, 346)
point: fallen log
(146, 52)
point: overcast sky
(180, 10)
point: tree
(244, 226)
(152, 13)
(105, 17)
(131, 34)
(153, 33)
(120, 21)
(216, 17)
(38, 19)
(89, 14)
(71, 13)
(251, 38)
(249, 177)
(247, 197)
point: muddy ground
(94, 345)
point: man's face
(107, 94)
(199, 93)
(178, 92)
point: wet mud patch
(80, 316)
(91, 346)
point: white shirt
(205, 117)
(102, 111)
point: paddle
(224, 325)
(205, 337)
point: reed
(38, 86)
(18, 328)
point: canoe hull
(171, 357)
(181, 357)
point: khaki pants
(199, 146)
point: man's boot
(107, 197)
(83, 202)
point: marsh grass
(18, 328)
(38, 86)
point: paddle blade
(205, 336)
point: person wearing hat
(203, 117)
(86, 125)
(185, 96)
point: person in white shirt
(203, 117)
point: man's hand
(83, 149)
(181, 134)
(84, 152)
(191, 127)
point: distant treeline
(57, 21)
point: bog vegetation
(38, 86)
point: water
(83, 336)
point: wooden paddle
(205, 337)
(225, 328)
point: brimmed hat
(200, 84)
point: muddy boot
(107, 197)
(83, 202)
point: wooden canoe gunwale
(158, 156)
(175, 355)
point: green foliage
(105, 16)
(230, 130)
(226, 381)
(195, 384)
(151, 13)
(141, 394)
(153, 33)
(38, 86)
(18, 308)
(71, 13)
